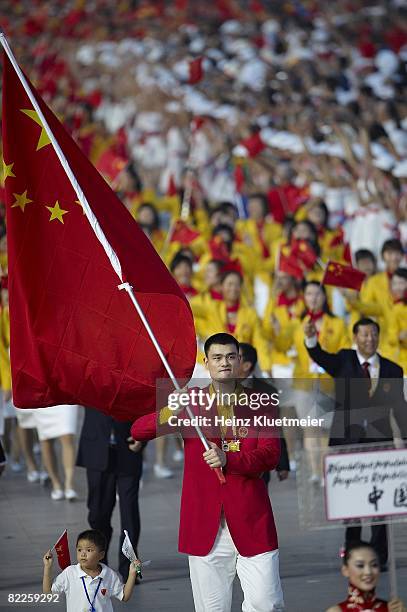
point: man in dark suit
(248, 363)
(369, 388)
(113, 463)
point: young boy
(89, 585)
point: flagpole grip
(220, 475)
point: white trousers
(212, 578)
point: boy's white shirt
(70, 582)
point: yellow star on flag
(21, 200)
(56, 212)
(7, 171)
(43, 139)
(80, 204)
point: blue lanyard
(92, 607)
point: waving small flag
(62, 550)
(339, 275)
(127, 548)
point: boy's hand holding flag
(128, 551)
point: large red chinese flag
(75, 338)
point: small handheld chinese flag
(340, 275)
(304, 252)
(344, 248)
(289, 265)
(183, 233)
(110, 165)
(127, 548)
(195, 71)
(62, 550)
(253, 144)
(172, 188)
(218, 249)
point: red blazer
(244, 498)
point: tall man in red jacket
(227, 528)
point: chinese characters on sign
(366, 484)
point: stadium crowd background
(254, 142)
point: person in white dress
(58, 422)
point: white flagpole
(127, 287)
(114, 260)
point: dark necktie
(366, 373)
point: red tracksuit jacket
(244, 498)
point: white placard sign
(365, 484)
